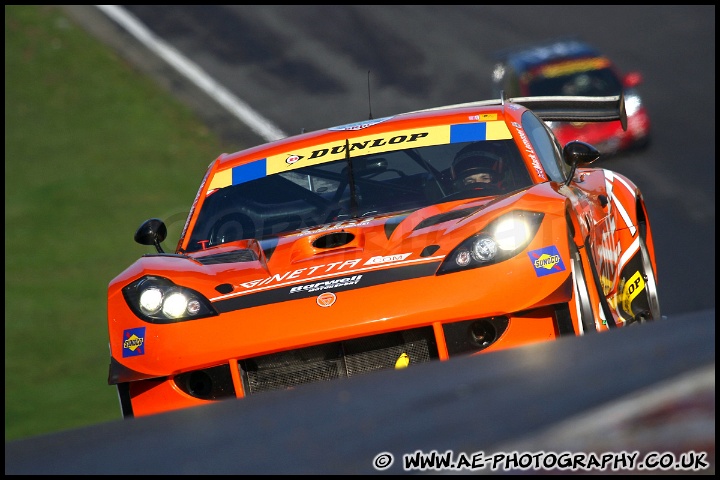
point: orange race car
(382, 244)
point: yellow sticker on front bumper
(402, 361)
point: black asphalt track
(526, 399)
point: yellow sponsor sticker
(402, 361)
(632, 289)
(366, 145)
(337, 150)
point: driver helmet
(477, 165)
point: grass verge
(92, 148)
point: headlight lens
(175, 305)
(501, 239)
(512, 232)
(484, 248)
(151, 300)
(158, 300)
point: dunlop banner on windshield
(390, 141)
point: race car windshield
(356, 187)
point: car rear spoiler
(561, 108)
(576, 109)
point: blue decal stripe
(468, 132)
(249, 171)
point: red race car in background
(574, 68)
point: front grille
(336, 360)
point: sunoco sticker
(546, 261)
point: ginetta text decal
(327, 284)
(327, 270)
(303, 273)
(371, 276)
(530, 151)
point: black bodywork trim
(237, 256)
(446, 217)
(119, 373)
(393, 223)
(368, 279)
(563, 320)
(125, 403)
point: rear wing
(576, 109)
(561, 108)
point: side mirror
(152, 232)
(577, 153)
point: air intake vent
(446, 217)
(333, 240)
(230, 257)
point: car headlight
(158, 300)
(503, 238)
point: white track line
(194, 73)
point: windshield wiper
(351, 181)
(427, 166)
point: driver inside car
(477, 167)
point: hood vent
(429, 250)
(446, 217)
(224, 288)
(237, 256)
(333, 240)
(392, 224)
